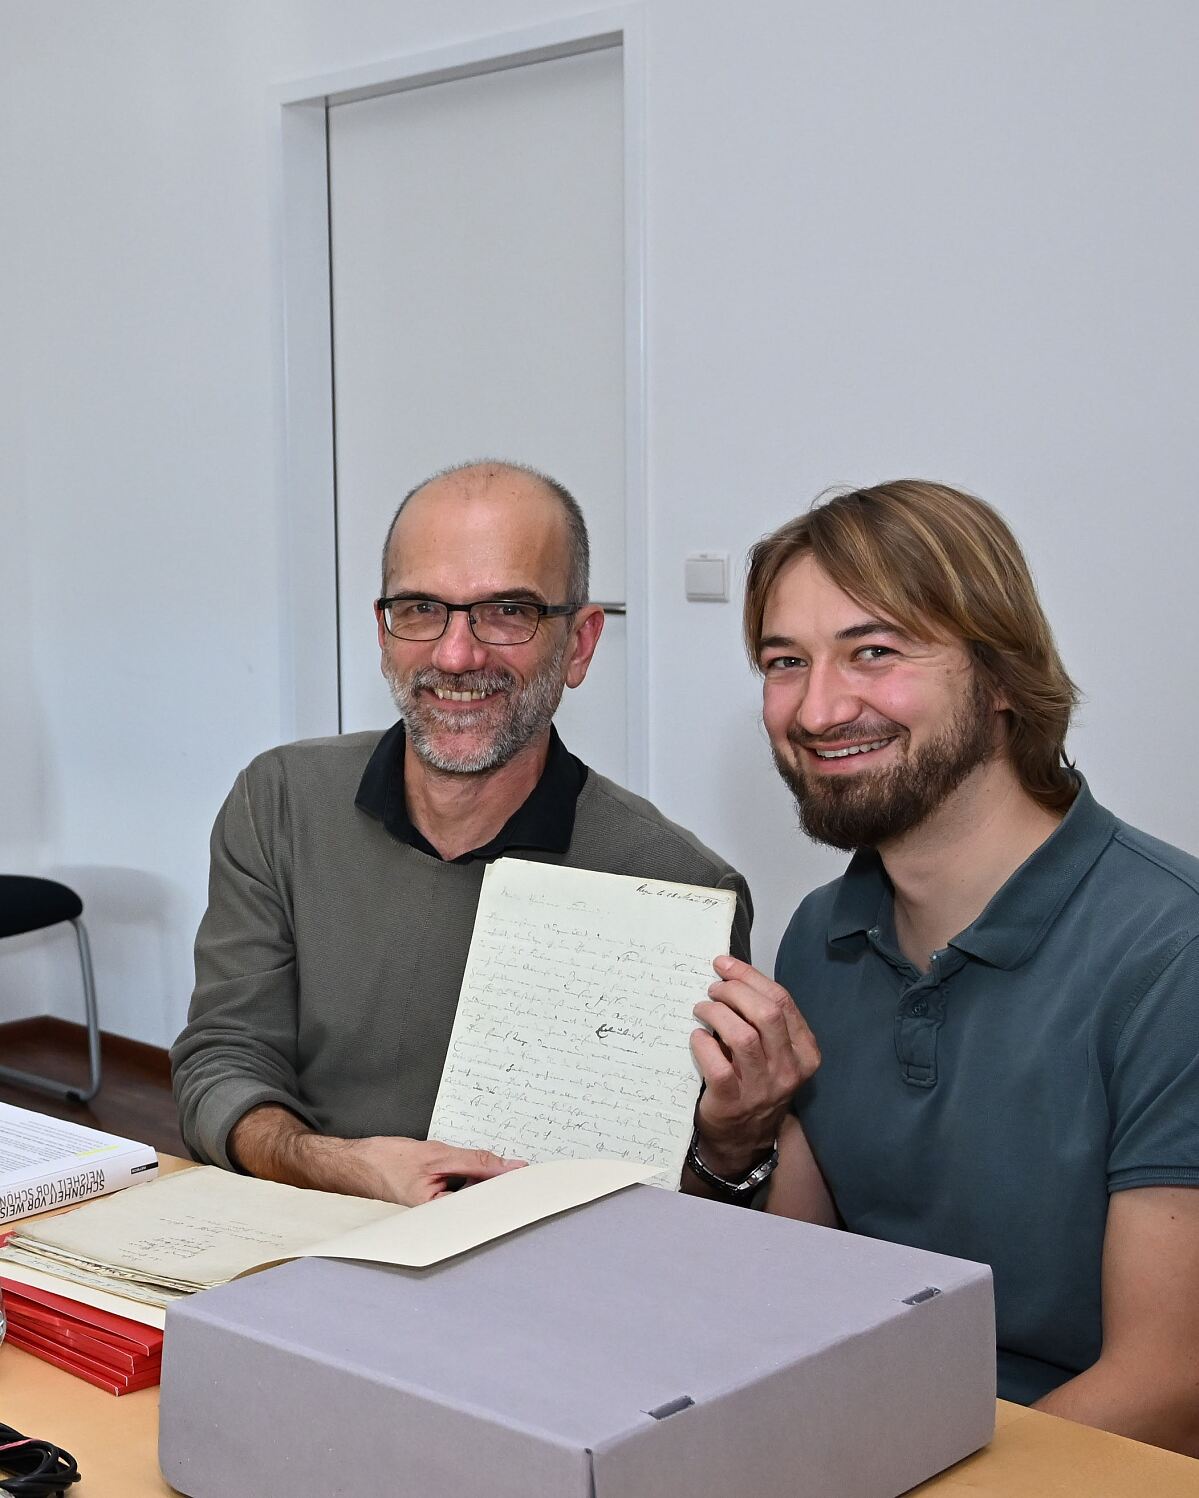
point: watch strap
(740, 1190)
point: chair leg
(48, 1084)
(93, 1016)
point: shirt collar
(545, 820)
(1021, 911)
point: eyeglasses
(493, 621)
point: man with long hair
(1003, 987)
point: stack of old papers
(202, 1227)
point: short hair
(944, 564)
(578, 572)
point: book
(49, 1162)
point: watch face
(761, 1172)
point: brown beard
(872, 807)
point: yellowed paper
(198, 1228)
(204, 1227)
(464, 1219)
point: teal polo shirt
(988, 1107)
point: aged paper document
(464, 1219)
(205, 1226)
(571, 1036)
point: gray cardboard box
(648, 1345)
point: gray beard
(528, 712)
(867, 809)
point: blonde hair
(941, 564)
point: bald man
(346, 871)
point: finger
(766, 1018)
(428, 1190)
(507, 1166)
(714, 1064)
(742, 1041)
(763, 1003)
(471, 1165)
(772, 1057)
(743, 972)
(733, 970)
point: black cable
(40, 1469)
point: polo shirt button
(920, 1006)
(873, 933)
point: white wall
(950, 238)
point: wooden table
(115, 1441)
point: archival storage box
(646, 1344)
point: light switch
(705, 575)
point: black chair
(31, 905)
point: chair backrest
(29, 904)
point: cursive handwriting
(571, 1037)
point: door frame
(311, 669)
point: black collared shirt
(545, 820)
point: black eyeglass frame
(543, 610)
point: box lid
(730, 1295)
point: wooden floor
(135, 1089)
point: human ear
(586, 630)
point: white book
(49, 1162)
(571, 1039)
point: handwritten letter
(571, 1037)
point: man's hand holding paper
(754, 1052)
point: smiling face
(872, 729)
(476, 534)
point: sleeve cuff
(224, 1105)
(1152, 1175)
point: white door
(477, 254)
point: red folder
(134, 1334)
(70, 1339)
(94, 1373)
(112, 1352)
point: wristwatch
(735, 1191)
